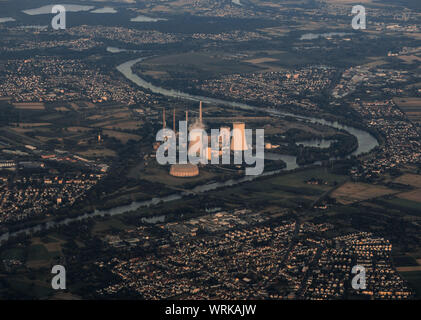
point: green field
(27, 288)
(14, 253)
(103, 225)
(285, 190)
(38, 252)
(298, 179)
(197, 65)
(408, 206)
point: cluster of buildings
(273, 88)
(124, 35)
(401, 138)
(240, 255)
(30, 157)
(328, 278)
(40, 184)
(49, 79)
(384, 80)
(236, 35)
(23, 44)
(218, 222)
(27, 196)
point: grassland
(410, 179)
(41, 253)
(97, 153)
(29, 106)
(289, 190)
(122, 136)
(411, 106)
(197, 64)
(107, 224)
(414, 195)
(25, 287)
(352, 192)
(405, 205)
(13, 254)
(409, 199)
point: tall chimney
(187, 118)
(163, 118)
(173, 119)
(200, 113)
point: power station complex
(227, 143)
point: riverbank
(366, 142)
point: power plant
(199, 144)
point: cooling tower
(196, 142)
(224, 137)
(238, 142)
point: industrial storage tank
(184, 170)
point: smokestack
(173, 119)
(200, 113)
(187, 118)
(163, 118)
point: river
(366, 142)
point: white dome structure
(184, 170)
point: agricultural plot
(408, 206)
(410, 179)
(197, 64)
(411, 107)
(352, 192)
(29, 106)
(414, 195)
(122, 136)
(300, 179)
(287, 190)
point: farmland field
(354, 192)
(414, 195)
(29, 106)
(413, 180)
(411, 106)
